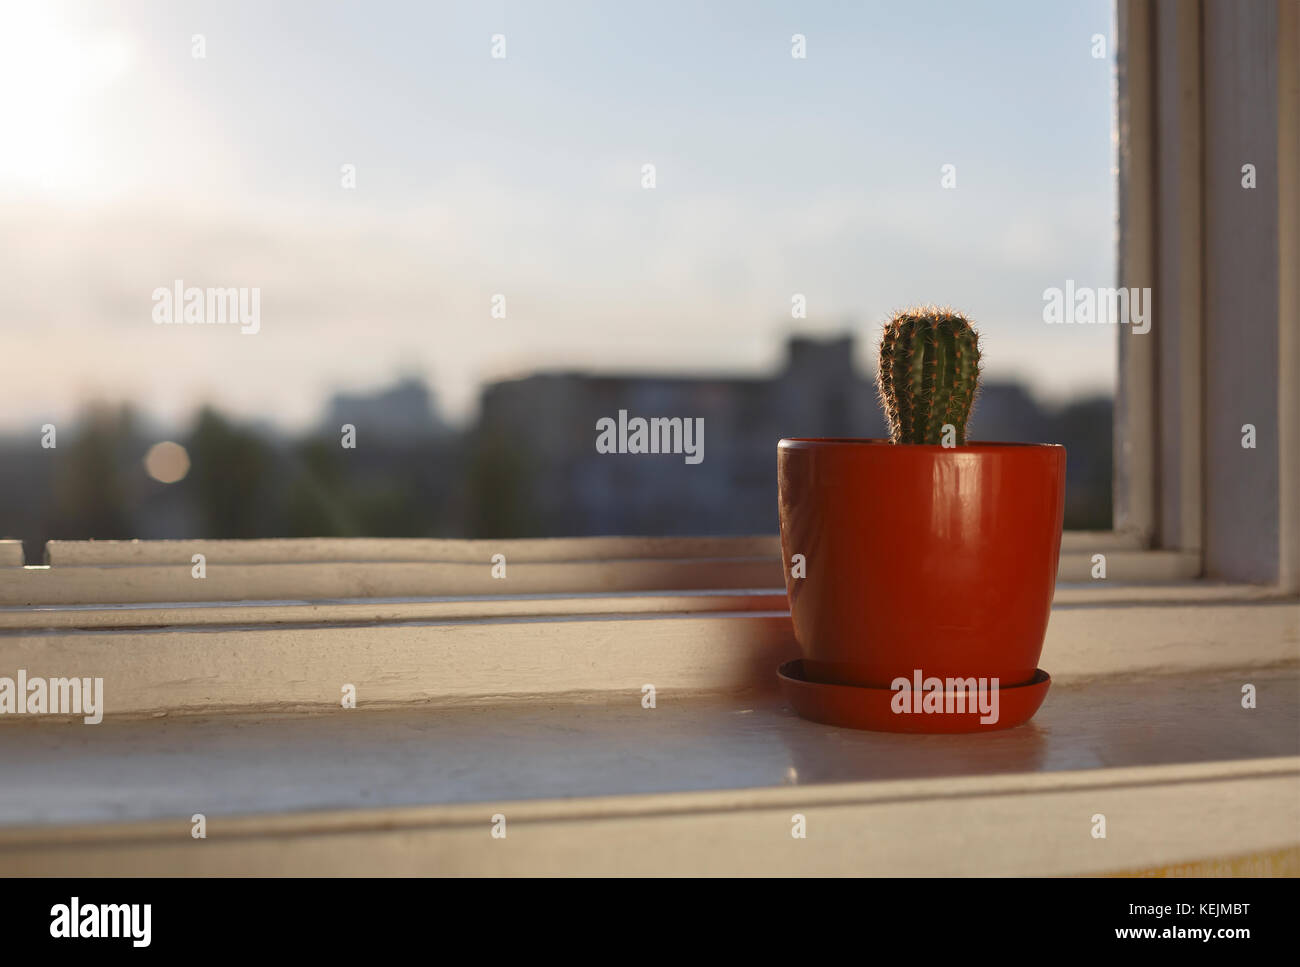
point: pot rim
(979, 446)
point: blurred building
(542, 475)
(564, 486)
(401, 413)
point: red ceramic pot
(930, 558)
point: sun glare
(51, 75)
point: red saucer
(854, 707)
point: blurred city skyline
(131, 163)
(385, 464)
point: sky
(127, 163)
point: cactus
(928, 374)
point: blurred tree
(497, 488)
(91, 491)
(231, 479)
(316, 502)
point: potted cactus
(924, 559)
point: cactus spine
(928, 374)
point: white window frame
(1190, 110)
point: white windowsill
(242, 696)
(696, 785)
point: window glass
(379, 269)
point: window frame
(1171, 419)
(1161, 501)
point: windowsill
(124, 572)
(530, 704)
(229, 656)
(414, 790)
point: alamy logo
(102, 920)
(212, 307)
(1085, 306)
(656, 435)
(53, 696)
(945, 696)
